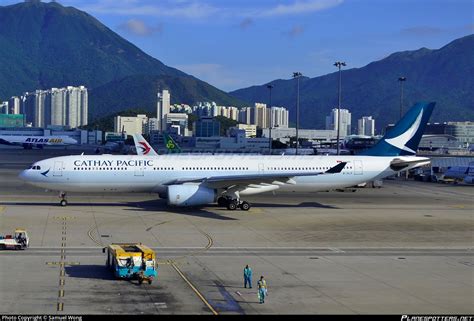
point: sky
(234, 44)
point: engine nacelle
(469, 179)
(190, 195)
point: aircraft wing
(245, 180)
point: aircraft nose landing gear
(63, 201)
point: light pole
(339, 64)
(297, 75)
(271, 116)
(401, 80)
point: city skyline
(233, 45)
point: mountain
(45, 45)
(443, 75)
(113, 96)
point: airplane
(39, 141)
(144, 148)
(196, 180)
(461, 173)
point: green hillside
(46, 45)
(443, 75)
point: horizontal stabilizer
(399, 164)
(336, 169)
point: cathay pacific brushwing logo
(401, 140)
(45, 173)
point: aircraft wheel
(231, 206)
(222, 201)
(245, 206)
(63, 203)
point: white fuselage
(116, 173)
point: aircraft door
(358, 167)
(261, 168)
(58, 169)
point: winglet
(336, 169)
(142, 146)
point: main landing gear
(63, 201)
(233, 204)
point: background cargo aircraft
(189, 180)
(39, 141)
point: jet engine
(190, 195)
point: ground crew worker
(247, 276)
(262, 289)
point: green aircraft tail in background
(170, 144)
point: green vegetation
(443, 76)
(47, 45)
(226, 123)
(106, 123)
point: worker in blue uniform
(247, 276)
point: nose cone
(23, 175)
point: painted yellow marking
(61, 282)
(61, 293)
(458, 206)
(63, 244)
(2, 208)
(92, 238)
(64, 232)
(64, 218)
(63, 257)
(60, 306)
(63, 238)
(193, 288)
(61, 273)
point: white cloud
(140, 28)
(300, 7)
(215, 74)
(195, 9)
(295, 31)
(180, 8)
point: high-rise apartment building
(14, 105)
(277, 117)
(332, 122)
(162, 108)
(259, 115)
(245, 115)
(366, 126)
(57, 106)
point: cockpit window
(38, 167)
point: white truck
(19, 240)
